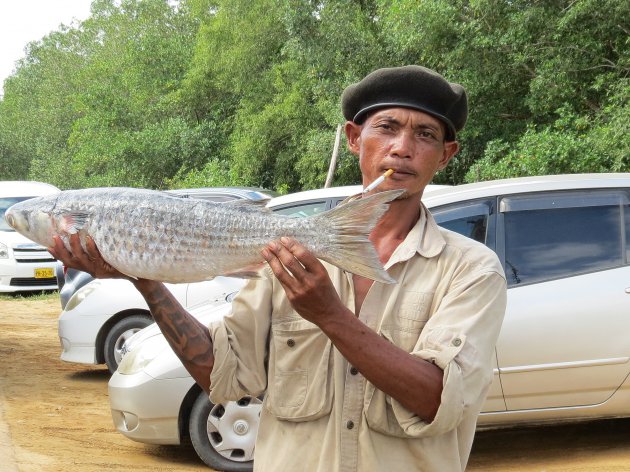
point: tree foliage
(163, 93)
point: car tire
(224, 436)
(118, 334)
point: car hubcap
(241, 427)
(232, 428)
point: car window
(470, 219)
(5, 203)
(302, 209)
(561, 236)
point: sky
(23, 21)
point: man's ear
(450, 149)
(353, 136)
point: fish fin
(251, 271)
(352, 222)
(73, 222)
(244, 274)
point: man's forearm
(414, 382)
(188, 337)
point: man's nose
(403, 144)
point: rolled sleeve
(240, 345)
(459, 339)
(442, 346)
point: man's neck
(398, 221)
(389, 233)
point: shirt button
(290, 343)
(457, 342)
(354, 371)
(350, 424)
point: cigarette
(378, 181)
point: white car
(563, 353)
(24, 265)
(174, 406)
(101, 315)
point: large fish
(154, 235)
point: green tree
(157, 93)
(39, 107)
(131, 130)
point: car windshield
(5, 203)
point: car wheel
(224, 436)
(117, 336)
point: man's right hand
(89, 260)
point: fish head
(33, 218)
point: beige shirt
(319, 413)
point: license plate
(44, 273)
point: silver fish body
(155, 235)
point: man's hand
(89, 261)
(305, 280)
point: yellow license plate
(45, 273)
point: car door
(477, 220)
(565, 340)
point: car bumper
(21, 277)
(80, 354)
(77, 335)
(145, 409)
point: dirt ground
(55, 416)
(57, 413)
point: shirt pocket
(300, 373)
(402, 324)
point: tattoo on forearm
(188, 337)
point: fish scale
(154, 235)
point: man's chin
(404, 196)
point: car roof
(25, 188)
(332, 192)
(225, 193)
(524, 185)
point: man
(359, 375)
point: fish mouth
(10, 219)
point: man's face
(408, 141)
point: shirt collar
(424, 238)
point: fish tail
(351, 223)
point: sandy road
(55, 416)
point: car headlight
(4, 251)
(80, 295)
(142, 355)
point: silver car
(563, 353)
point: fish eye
(11, 220)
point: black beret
(410, 87)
